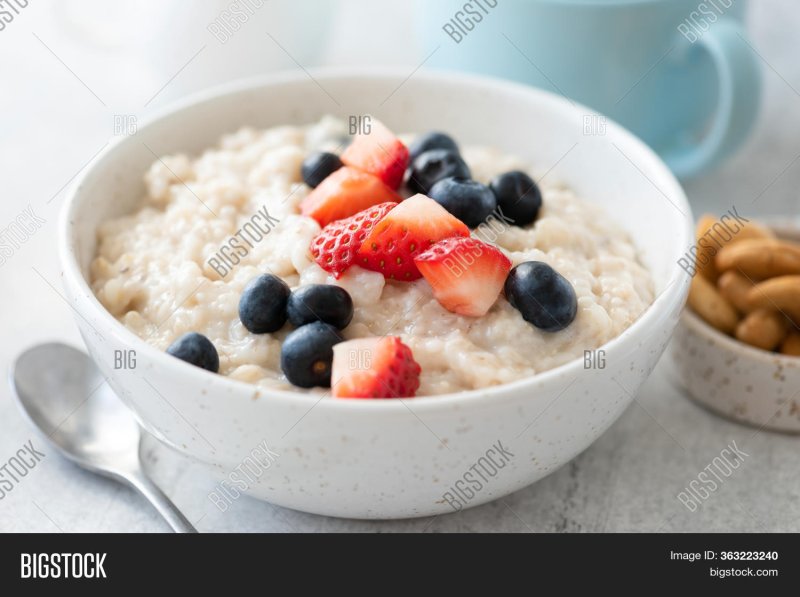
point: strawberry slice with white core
(374, 368)
(376, 150)
(466, 275)
(405, 232)
(345, 193)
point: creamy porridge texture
(152, 269)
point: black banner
(267, 563)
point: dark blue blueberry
(543, 296)
(318, 166)
(262, 306)
(320, 302)
(518, 197)
(469, 201)
(434, 165)
(428, 141)
(196, 349)
(307, 355)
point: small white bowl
(389, 458)
(733, 379)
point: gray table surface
(627, 481)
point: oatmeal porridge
(210, 225)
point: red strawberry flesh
(466, 275)
(336, 247)
(379, 152)
(374, 368)
(345, 193)
(405, 232)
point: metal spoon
(65, 396)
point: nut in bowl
(737, 348)
(483, 364)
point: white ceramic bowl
(738, 381)
(390, 458)
(735, 380)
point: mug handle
(739, 79)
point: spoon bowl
(65, 396)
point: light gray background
(52, 123)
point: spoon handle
(160, 502)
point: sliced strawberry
(335, 248)
(466, 275)
(380, 153)
(374, 368)
(405, 232)
(345, 193)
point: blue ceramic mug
(678, 73)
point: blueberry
(428, 141)
(318, 166)
(434, 165)
(518, 197)
(307, 354)
(197, 350)
(543, 296)
(262, 306)
(320, 302)
(469, 201)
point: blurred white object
(156, 51)
(111, 26)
